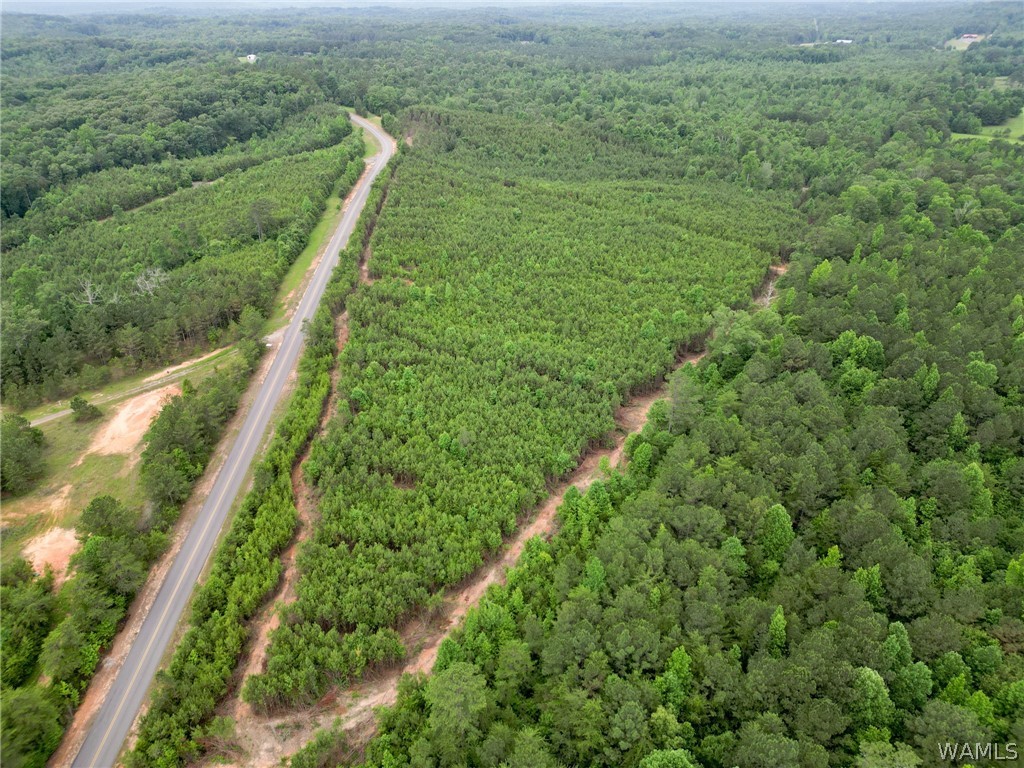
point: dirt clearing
(114, 659)
(53, 505)
(124, 432)
(54, 549)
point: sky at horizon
(215, 6)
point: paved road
(115, 717)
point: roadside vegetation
(246, 566)
(88, 286)
(481, 363)
(129, 184)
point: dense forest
(53, 641)
(247, 567)
(814, 557)
(123, 191)
(126, 260)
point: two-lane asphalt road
(115, 717)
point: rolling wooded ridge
(813, 556)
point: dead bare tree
(90, 291)
(961, 212)
(150, 279)
(261, 213)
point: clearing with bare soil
(125, 431)
(53, 506)
(52, 549)
(111, 663)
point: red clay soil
(364, 267)
(111, 663)
(122, 433)
(267, 740)
(52, 549)
(766, 295)
(269, 618)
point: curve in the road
(118, 711)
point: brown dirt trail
(114, 657)
(125, 430)
(269, 618)
(182, 366)
(267, 740)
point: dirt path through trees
(114, 658)
(269, 617)
(266, 741)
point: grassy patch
(70, 482)
(121, 389)
(959, 44)
(72, 478)
(1012, 129)
(962, 136)
(287, 294)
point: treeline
(513, 313)
(21, 454)
(93, 121)
(114, 190)
(813, 559)
(998, 56)
(975, 107)
(247, 567)
(103, 298)
(53, 642)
